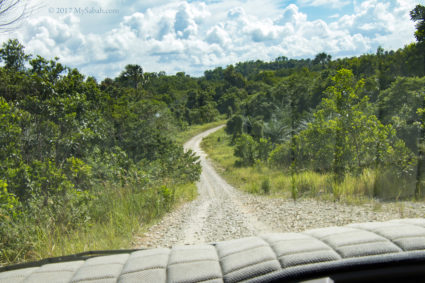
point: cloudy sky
(100, 37)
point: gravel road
(222, 212)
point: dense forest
(68, 141)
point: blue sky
(193, 36)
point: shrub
(78, 172)
(265, 186)
(280, 156)
(264, 147)
(246, 150)
(8, 203)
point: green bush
(264, 147)
(78, 172)
(246, 150)
(280, 156)
(266, 186)
(9, 204)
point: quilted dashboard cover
(237, 260)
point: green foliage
(9, 204)
(257, 130)
(233, 78)
(280, 156)
(235, 125)
(165, 198)
(294, 188)
(13, 55)
(230, 101)
(47, 180)
(346, 137)
(9, 134)
(322, 58)
(265, 186)
(78, 172)
(63, 136)
(267, 77)
(246, 150)
(204, 114)
(264, 147)
(132, 76)
(418, 15)
(399, 104)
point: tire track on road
(217, 214)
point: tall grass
(117, 214)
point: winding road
(218, 204)
(221, 212)
(216, 214)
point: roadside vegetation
(85, 164)
(116, 213)
(348, 129)
(260, 178)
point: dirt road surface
(221, 212)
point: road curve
(217, 213)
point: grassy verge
(116, 215)
(122, 213)
(193, 130)
(261, 179)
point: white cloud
(327, 3)
(236, 13)
(192, 37)
(385, 23)
(184, 24)
(291, 15)
(218, 35)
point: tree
(9, 135)
(246, 150)
(257, 130)
(322, 59)
(398, 106)
(230, 101)
(346, 137)
(47, 70)
(132, 76)
(234, 126)
(418, 15)
(13, 55)
(234, 78)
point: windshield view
(142, 124)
